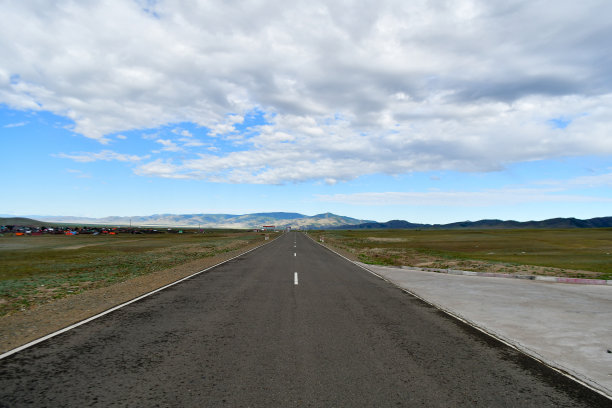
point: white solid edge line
(112, 309)
(526, 351)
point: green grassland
(569, 249)
(36, 269)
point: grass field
(583, 253)
(37, 269)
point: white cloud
(12, 125)
(169, 145)
(543, 191)
(104, 155)
(79, 173)
(159, 168)
(593, 181)
(296, 149)
(149, 136)
(485, 198)
(189, 142)
(348, 88)
(182, 132)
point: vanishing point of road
(289, 324)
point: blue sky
(427, 112)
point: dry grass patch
(38, 269)
(580, 253)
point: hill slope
(256, 220)
(600, 222)
(295, 220)
(20, 221)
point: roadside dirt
(341, 250)
(22, 327)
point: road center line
(295, 278)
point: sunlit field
(568, 252)
(35, 269)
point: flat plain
(245, 334)
(576, 253)
(38, 269)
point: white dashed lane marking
(295, 278)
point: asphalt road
(245, 334)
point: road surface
(289, 324)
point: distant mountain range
(257, 220)
(601, 222)
(296, 220)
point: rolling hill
(256, 220)
(295, 220)
(600, 222)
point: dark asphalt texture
(243, 335)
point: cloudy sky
(429, 111)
